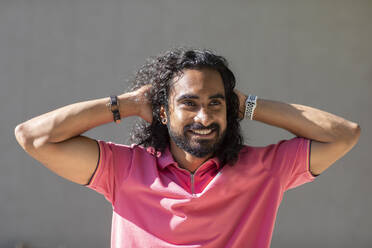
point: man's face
(196, 117)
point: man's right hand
(139, 101)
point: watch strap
(114, 108)
(250, 106)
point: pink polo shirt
(158, 204)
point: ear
(163, 115)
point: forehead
(197, 82)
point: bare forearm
(305, 121)
(69, 121)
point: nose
(204, 117)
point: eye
(215, 102)
(189, 103)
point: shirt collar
(165, 158)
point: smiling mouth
(204, 132)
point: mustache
(198, 126)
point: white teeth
(203, 132)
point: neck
(185, 160)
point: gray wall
(54, 53)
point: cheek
(180, 116)
(178, 120)
(223, 120)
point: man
(189, 181)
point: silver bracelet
(250, 106)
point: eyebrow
(218, 95)
(191, 96)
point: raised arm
(332, 136)
(55, 140)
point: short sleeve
(113, 167)
(291, 162)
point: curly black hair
(159, 72)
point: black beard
(203, 147)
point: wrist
(128, 105)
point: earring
(164, 120)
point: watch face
(114, 103)
(114, 107)
(251, 98)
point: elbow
(353, 134)
(21, 137)
(356, 132)
(28, 141)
